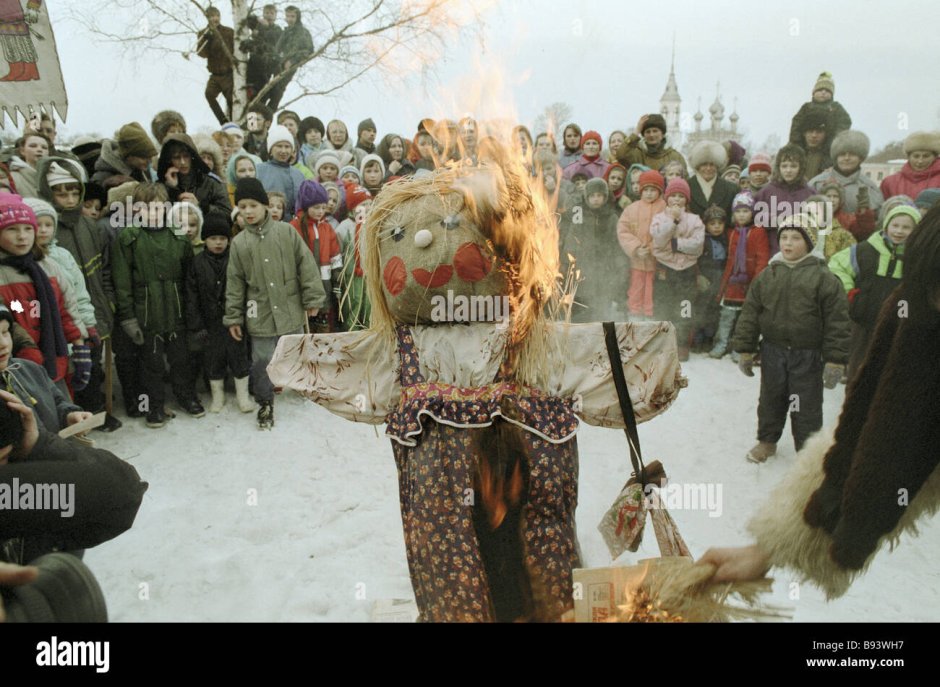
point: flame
(497, 494)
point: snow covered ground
(302, 523)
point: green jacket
(802, 307)
(149, 267)
(272, 280)
(873, 268)
(634, 151)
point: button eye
(398, 233)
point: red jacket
(19, 293)
(909, 183)
(757, 255)
(330, 258)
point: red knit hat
(355, 194)
(652, 178)
(592, 136)
(760, 161)
(679, 185)
(14, 211)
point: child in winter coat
(277, 205)
(588, 233)
(271, 269)
(633, 232)
(355, 309)
(869, 272)
(748, 254)
(922, 169)
(757, 174)
(240, 166)
(317, 233)
(678, 237)
(861, 223)
(372, 172)
(784, 195)
(40, 295)
(616, 178)
(150, 266)
(797, 309)
(836, 118)
(848, 151)
(205, 307)
(277, 174)
(62, 184)
(711, 265)
(186, 220)
(30, 383)
(831, 237)
(46, 226)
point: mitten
(81, 361)
(94, 337)
(703, 283)
(746, 363)
(832, 374)
(133, 330)
(863, 202)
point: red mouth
(431, 280)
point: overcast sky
(608, 59)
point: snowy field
(302, 523)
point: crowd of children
(191, 256)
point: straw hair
(518, 230)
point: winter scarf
(51, 336)
(706, 186)
(886, 440)
(739, 272)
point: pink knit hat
(679, 185)
(760, 161)
(14, 211)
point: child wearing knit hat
(278, 173)
(633, 232)
(319, 236)
(758, 172)
(24, 280)
(797, 313)
(711, 265)
(273, 287)
(870, 271)
(205, 297)
(823, 99)
(748, 254)
(588, 234)
(831, 237)
(678, 238)
(355, 309)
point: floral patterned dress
(432, 440)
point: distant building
(670, 104)
(877, 171)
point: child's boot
(245, 404)
(217, 387)
(723, 335)
(761, 452)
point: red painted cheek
(470, 263)
(395, 276)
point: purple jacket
(775, 202)
(598, 168)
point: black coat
(211, 194)
(205, 292)
(723, 194)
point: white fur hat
(708, 151)
(922, 140)
(850, 142)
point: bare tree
(553, 120)
(351, 37)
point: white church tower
(670, 104)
